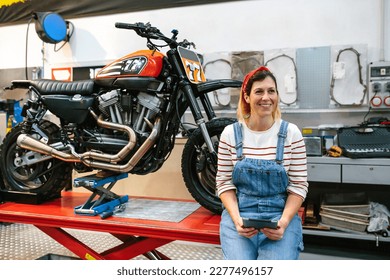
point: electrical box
(379, 85)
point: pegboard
(313, 71)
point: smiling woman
(262, 175)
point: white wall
(233, 26)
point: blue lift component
(108, 202)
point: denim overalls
(261, 193)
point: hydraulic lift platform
(139, 236)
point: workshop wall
(240, 26)
(232, 26)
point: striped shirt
(262, 145)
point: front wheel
(47, 177)
(199, 166)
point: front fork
(197, 114)
(192, 101)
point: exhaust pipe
(93, 159)
(29, 143)
(149, 142)
(122, 153)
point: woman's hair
(259, 74)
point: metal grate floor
(26, 242)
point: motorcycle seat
(45, 86)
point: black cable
(365, 116)
(68, 36)
(369, 111)
(28, 27)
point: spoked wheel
(199, 166)
(27, 171)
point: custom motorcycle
(125, 120)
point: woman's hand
(243, 231)
(275, 234)
(293, 204)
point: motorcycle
(125, 120)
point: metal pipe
(91, 159)
(122, 153)
(149, 142)
(27, 142)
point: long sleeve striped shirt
(262, 145)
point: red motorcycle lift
(138, 236)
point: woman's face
(263, 97)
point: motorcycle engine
(134, 110)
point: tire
(46, 178)
(199, 167)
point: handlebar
(143, 30)
(146, 30)
(125, 25)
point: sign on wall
(62, 74)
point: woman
(262, 174)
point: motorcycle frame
(184, 95)
(144, 140)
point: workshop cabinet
(324, 172)
(366, 174)
(327, 175)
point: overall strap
(281, 138)
(238, 139)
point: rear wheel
(199, 166)
(47, 177)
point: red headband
(250, 74)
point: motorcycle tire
(46, 178)
(199, 166)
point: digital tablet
(258, 224)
